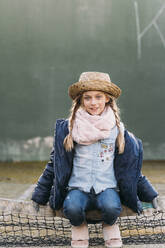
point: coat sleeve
(42, 190)
(145, 190)
(127, 168)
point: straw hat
(94, 81)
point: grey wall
(46, 44)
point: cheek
(103, 103)
(102, 106)
(85, 103)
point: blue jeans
(78, 202)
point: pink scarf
(88, 129)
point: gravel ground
(124, 246)
(17, 177)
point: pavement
(17, 182)
(17, 179)
(124, 246)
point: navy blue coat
(133, 186)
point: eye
(99, 97)
(87, 98)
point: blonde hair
(68, 141)
(120, 141)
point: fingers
(155, 203)
(36, 206)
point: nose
(93, 101)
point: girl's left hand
(155, 203)
(36, 206)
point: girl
(95, 162)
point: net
(22, 225)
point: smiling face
(94, 102)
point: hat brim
(80, 87)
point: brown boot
(112, 236)
(80, 236)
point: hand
(155, 203)
(36, 206)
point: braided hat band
(94, 81)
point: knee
(74, 213)
(110, 214)
(112, 210)
(71, 209)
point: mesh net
(20, 225)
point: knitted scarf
(88, 129)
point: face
(94, 102)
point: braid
(116, 111)
(68, 141)
(120, 138)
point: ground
(17, 177)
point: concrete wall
(46, 44)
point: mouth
(93, 109)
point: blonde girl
(95, 163)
